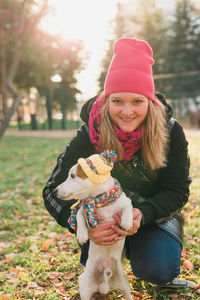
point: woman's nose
(127, 110)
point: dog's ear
(80, 173)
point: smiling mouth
(128, 120)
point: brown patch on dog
(114, 266)
(80, 173)
(98, 272)
(99, 269)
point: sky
(88, 20)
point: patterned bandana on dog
(91, 204)
(131, 141)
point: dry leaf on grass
(46, 245)
(32, 285)
(173, 296)
(54, 275)
(42, 283)
(68, 276)
(40, 292)
(4, 245)
(188, 265)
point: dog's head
(85, 175)
(76, 186)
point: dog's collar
(91, 204)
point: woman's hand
(137, 217)
(110, 232)
(103, 234)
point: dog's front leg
(127, 217)
(82, 230)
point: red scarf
(131, 141)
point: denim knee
(156, 272)
(155, 258)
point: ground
(38, 258)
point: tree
(182, 54)
(18, 22)
(119, 29)
(67, 62)
(151, 26)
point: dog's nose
(55, 191)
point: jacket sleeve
(80, 146)
(173, 183)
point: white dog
(103, 268)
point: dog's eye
(72, 175)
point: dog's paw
(82, 236)
(126, 223)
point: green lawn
(38, 258)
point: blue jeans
(154, 255)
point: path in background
(69, 133)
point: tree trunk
(9, 75)
(33, 122)
(3, 79)
(10, 112)
(49, 107)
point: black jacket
(158, 194)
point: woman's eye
(116, 100)
(138, 101)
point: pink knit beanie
(131, 69)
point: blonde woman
(153, 166)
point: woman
(153, 167)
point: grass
(38, 258)
(56, 124)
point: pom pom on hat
(131, 69)
(98, 166)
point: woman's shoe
(178, 283)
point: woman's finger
(120, 231)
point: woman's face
(127, 110)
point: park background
(53, 57)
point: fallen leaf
(40, 292)
(13, 271)
(4, 245)
(13, 280)
(54, 275)
(188, 265)
(58, 284)
(32, 285)
(173, 296)
(68, 276)
(62, 292)
(22, 273)
(48, 243)
(52, 235)
(184, 252)
(10, 256)
(42, 283)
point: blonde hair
(154, 139)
